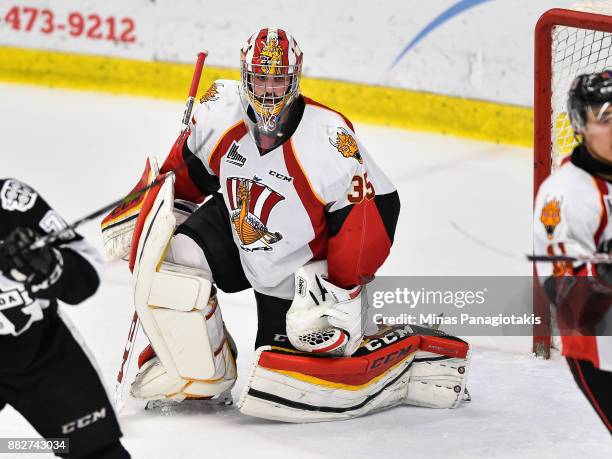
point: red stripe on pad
(352, 371)
(444, 346)
(144, 211)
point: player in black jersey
(44, 372)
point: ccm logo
(387, 339)
(84, 421)
(397, 355)
(280, 176)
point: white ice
(462, 202)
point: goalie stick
(127, 354)
(193, 89)
(135, 323)
(52, 237)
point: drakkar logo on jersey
(271, 57)
(17, 196)
(233, 157)
(211, 93)
(346, 145)
(251, 203)
(551, 216)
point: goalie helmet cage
(567, 43)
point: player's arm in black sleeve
(68, 270)
(81, 273)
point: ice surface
(84, 150)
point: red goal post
(567, 43)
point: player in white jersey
(572, 217)
(296, 208)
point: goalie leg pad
(298, 387)
(179, 315)
(438, 381)
(188, 336)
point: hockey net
(567, 43)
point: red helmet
(271, 62)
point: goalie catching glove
(118, 226)
(323, 317)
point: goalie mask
(270, 66)
(589, 92)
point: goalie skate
(192, 405)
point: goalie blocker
(411, 366)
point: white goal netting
(575, 51)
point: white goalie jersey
(317, 195)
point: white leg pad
(177, 302)
(196, 344)
(179, 316)
(437, 382)
(387, 371)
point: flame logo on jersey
(271, 57)
(551, 216)
(346, 145)
(251, 203)
(211, 93)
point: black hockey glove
(37, 269)
(604, 270)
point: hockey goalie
(275, 193)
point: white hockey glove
(323, 317)
(118, 226)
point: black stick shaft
(51, 237)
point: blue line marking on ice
(451, 12)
